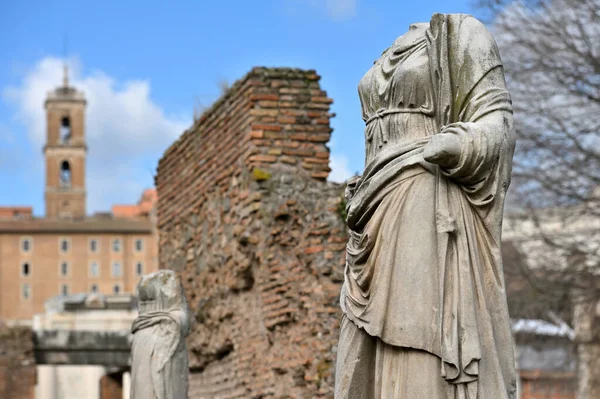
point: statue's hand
(351, 187)
(443, 149)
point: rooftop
(142, 208)
(65, 92)
(15, 212)
(540, 327)
(122, 219)
(85, 225)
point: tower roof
(65, 92)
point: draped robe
(441, 292)
(159, 368)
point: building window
(64, 289)
(65, 130)
(116, 245)
(116, 269)
(26, 244)
(65, 245)
(93, 245)
(94, 289)
(65, 174)
(64, 269)
(94, 269)
(139, 245)
(26, 291)
(139, 268)
(116, 289)
(25, 269)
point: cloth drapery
(441, 291)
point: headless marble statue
(423, 301)
(159, 367)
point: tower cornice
(66, 148)
(56, 99)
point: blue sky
(144, 64)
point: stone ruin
(17, 362)
(258, 236)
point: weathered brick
(263, 158)
(286, 119)
(319, 137)
(314, 105)
(325, 100)
(277, 135)
(264, 112)
(317, 160)
(266, 127)
(288, 159)
(301, 152)
(320, 175)
(268, 104)
(299, 136)
(267, 97)
(279, 83)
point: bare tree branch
(551, 55)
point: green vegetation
(260, 174)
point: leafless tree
(551, 54)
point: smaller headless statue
(159, 355)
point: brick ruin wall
(17, 364)
(247, 218)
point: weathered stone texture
(247, 218)
(17, 365)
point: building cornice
(76, 226)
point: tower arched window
(65, 130)
(65, 174)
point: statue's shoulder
(466, 31)
(463, 24)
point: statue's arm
(487, 137)
(183, 320)
(482, 137)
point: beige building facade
(67, 251)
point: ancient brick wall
(17, 365)
(278, 117)
(290, 125)
(258, 237)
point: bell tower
(65, 152)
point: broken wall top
(272, 118)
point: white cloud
(341, 9)
(339, 169)
(335, 9)
(126, 131)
